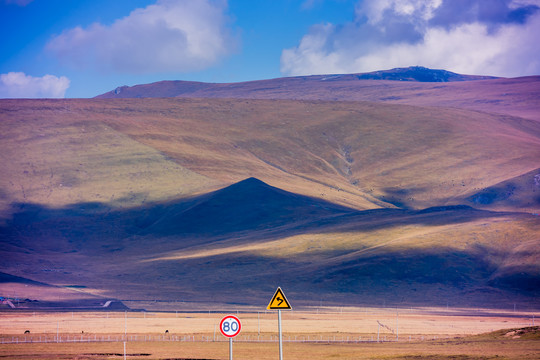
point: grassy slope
(86, 182)
(456, 255)
(58, 153)
(364, 155)
(516, 96)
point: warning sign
(279, 301)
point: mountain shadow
(8, 278)
(434, 276)
(249, 205)
(250, 208)
(149, 249)
(521, 192)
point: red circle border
(230, 317)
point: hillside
(361, 155)
(220, 200)
(285, 88)
(410, 86)
(318, 252)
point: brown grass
(516, 97)
(424, 334)
(342, 322)
(131, 151)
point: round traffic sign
(230, 326)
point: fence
(338, 326)
(46, 338)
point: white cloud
(375, 10)
(20, 85)
(171, 35)
(438, 34)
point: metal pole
(397, 326)
(230, 348)
(280, 336)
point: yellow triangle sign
(279, 301)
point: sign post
(230, 326)
(279, 302)
(280, 336)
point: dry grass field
(325, 333)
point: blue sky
(61, 48)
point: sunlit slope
(362, 155)
(58, 153)
(513, 96)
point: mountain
(417, 86)
(421, 74)
(270, 88)
(402, 192)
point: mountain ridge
(174, 88)
(508, 96)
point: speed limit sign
(230, 326)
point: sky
(83, 48)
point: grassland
(323, 333)
(362, 155)
(515, 97)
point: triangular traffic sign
(279, 301)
